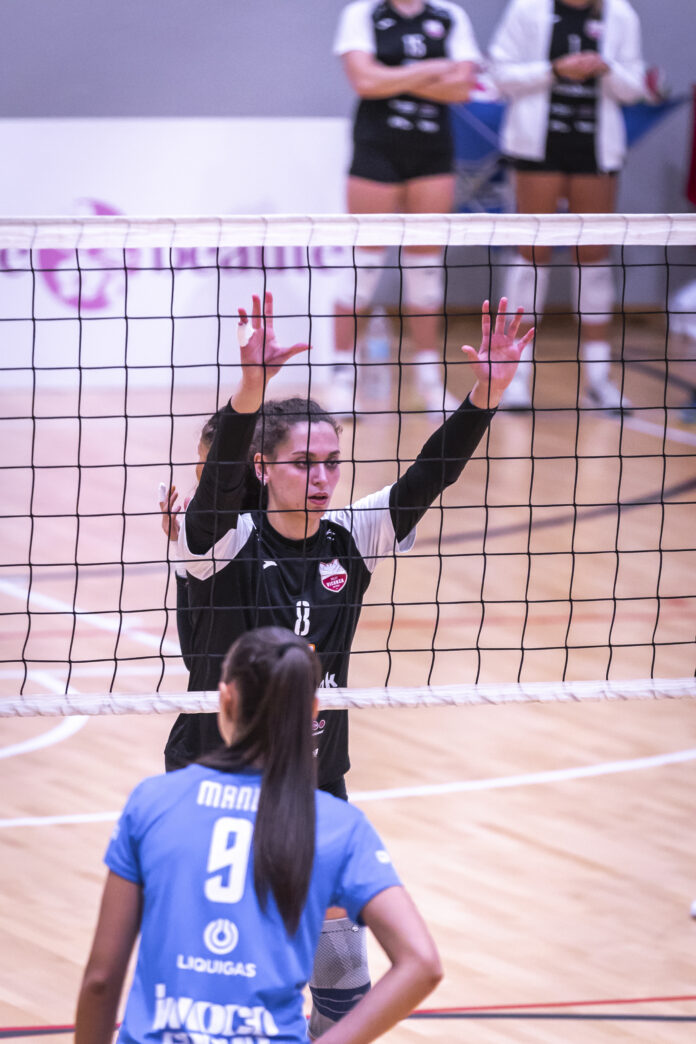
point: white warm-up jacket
(522, 70)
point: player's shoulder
(622, 8)
(529, 7)
(335, 817)
(438, 8)
(363, 8)
(155, 794)
(363, 508)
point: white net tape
(360, 699)
(454, 230)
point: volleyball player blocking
(262, 546)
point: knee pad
(593, 292)
(423, 282)
(526, 286)
(340, 976)
(359, 284)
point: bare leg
(424, 299)
(538, 192)
(363, 197)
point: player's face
(303, 472)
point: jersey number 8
(302, 621)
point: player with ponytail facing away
(226, 868)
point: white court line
(97, 620)
(58, 733)
(70, 726)
(101, 670)
(660, 431)
(529, 779)
(429, 790)
(67, 728)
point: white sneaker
(340, 395)
(606, 396)
(427, 377)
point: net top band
(454, 230)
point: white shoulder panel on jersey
(369, 522)
(461, 44)
(226, 549)
(355, 31)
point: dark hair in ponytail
(277, 675)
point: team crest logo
(435, 30)
(594, 29)
(333, 575)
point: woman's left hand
(495, 362)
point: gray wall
(272, 58)
(266, 58)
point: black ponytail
(277, 674)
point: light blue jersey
(212, 967)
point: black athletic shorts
(564, 155)
(394, 163)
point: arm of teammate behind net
(446, 453)
(223, 485)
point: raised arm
(444, 456)
(223, 487)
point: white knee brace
(359, 284)
(526, 286)
(423, 282)
(593, 292)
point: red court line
(25, 1031)
(557, 1004)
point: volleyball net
(560, 566)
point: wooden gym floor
(549, 847)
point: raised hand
(261, 355)
(495, 362)
(167, 503)
(259, 347)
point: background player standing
(565, 68)
(406, 60)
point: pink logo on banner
(333, 575)
(88, 288)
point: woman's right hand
(260, 354)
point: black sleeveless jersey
(441, 30)
(243, 574)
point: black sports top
(441, 30)
(244, 574)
